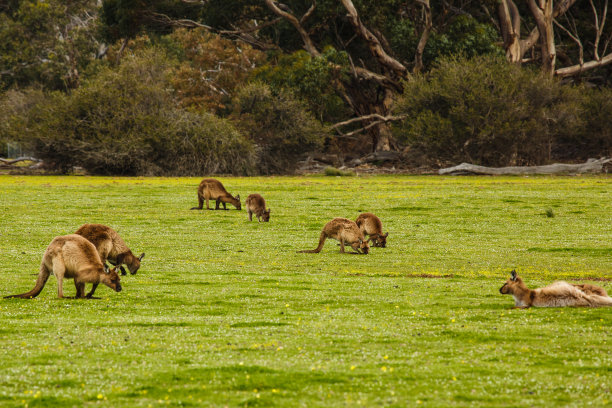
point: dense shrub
(211, 68)
(126, 122)
(593, 138)
(310, 79)
(489, 112)
(280, 126)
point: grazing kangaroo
(111, 247)
(371, 225)
(345, 231)
(213, 189)
(255, 204)
(557, 294)
(72, 257)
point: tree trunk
(510, 23)
(382, 138)
(543, 14)
(418, 55)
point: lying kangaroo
(345, 231)
(72, 257)
(213, 189)
(371, 225)
(557, 294)
(255, 204)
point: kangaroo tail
(601, 300)
(43, 275)
(318, 249)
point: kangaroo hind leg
(59, 270)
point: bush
(488, 112)
(310, 79)
(593, 138)
(126, 122)
(279, 125)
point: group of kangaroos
(82, 256)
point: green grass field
(224, 312)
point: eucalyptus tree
(47, 43)
(367, 48)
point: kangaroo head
(135, 265)
(361, 246)
(132, 262)
(512, 285)
(381, 240)
(266, 216)
(238, 206)
(112, 280)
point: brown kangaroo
(371, 225)
(557, 294)
(345, 231)
(213, 189)
(255, 204)
(111, 247)
(72, 257)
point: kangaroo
(72, 257)
(557, 294)
(213, 189)
(371, 225)
(256, 204)
(111, 248)
(345, 231)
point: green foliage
(486, 111)
(46, 43)
(126, 18)
(279, 124)
(115, 124)
(464, 36)
(310, 79)
(592, 138)
(224, 312)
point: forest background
(192, 87)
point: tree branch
(309, 12)
(576, 39)
(577, 69)
(380, 119)
(308, 44)
(372, 41)
(418, 55)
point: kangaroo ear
(513, 275)
(238, 197)
(386, 235)
(141, 256)
(269, 210)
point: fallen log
(591, 166)
(17, 160)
